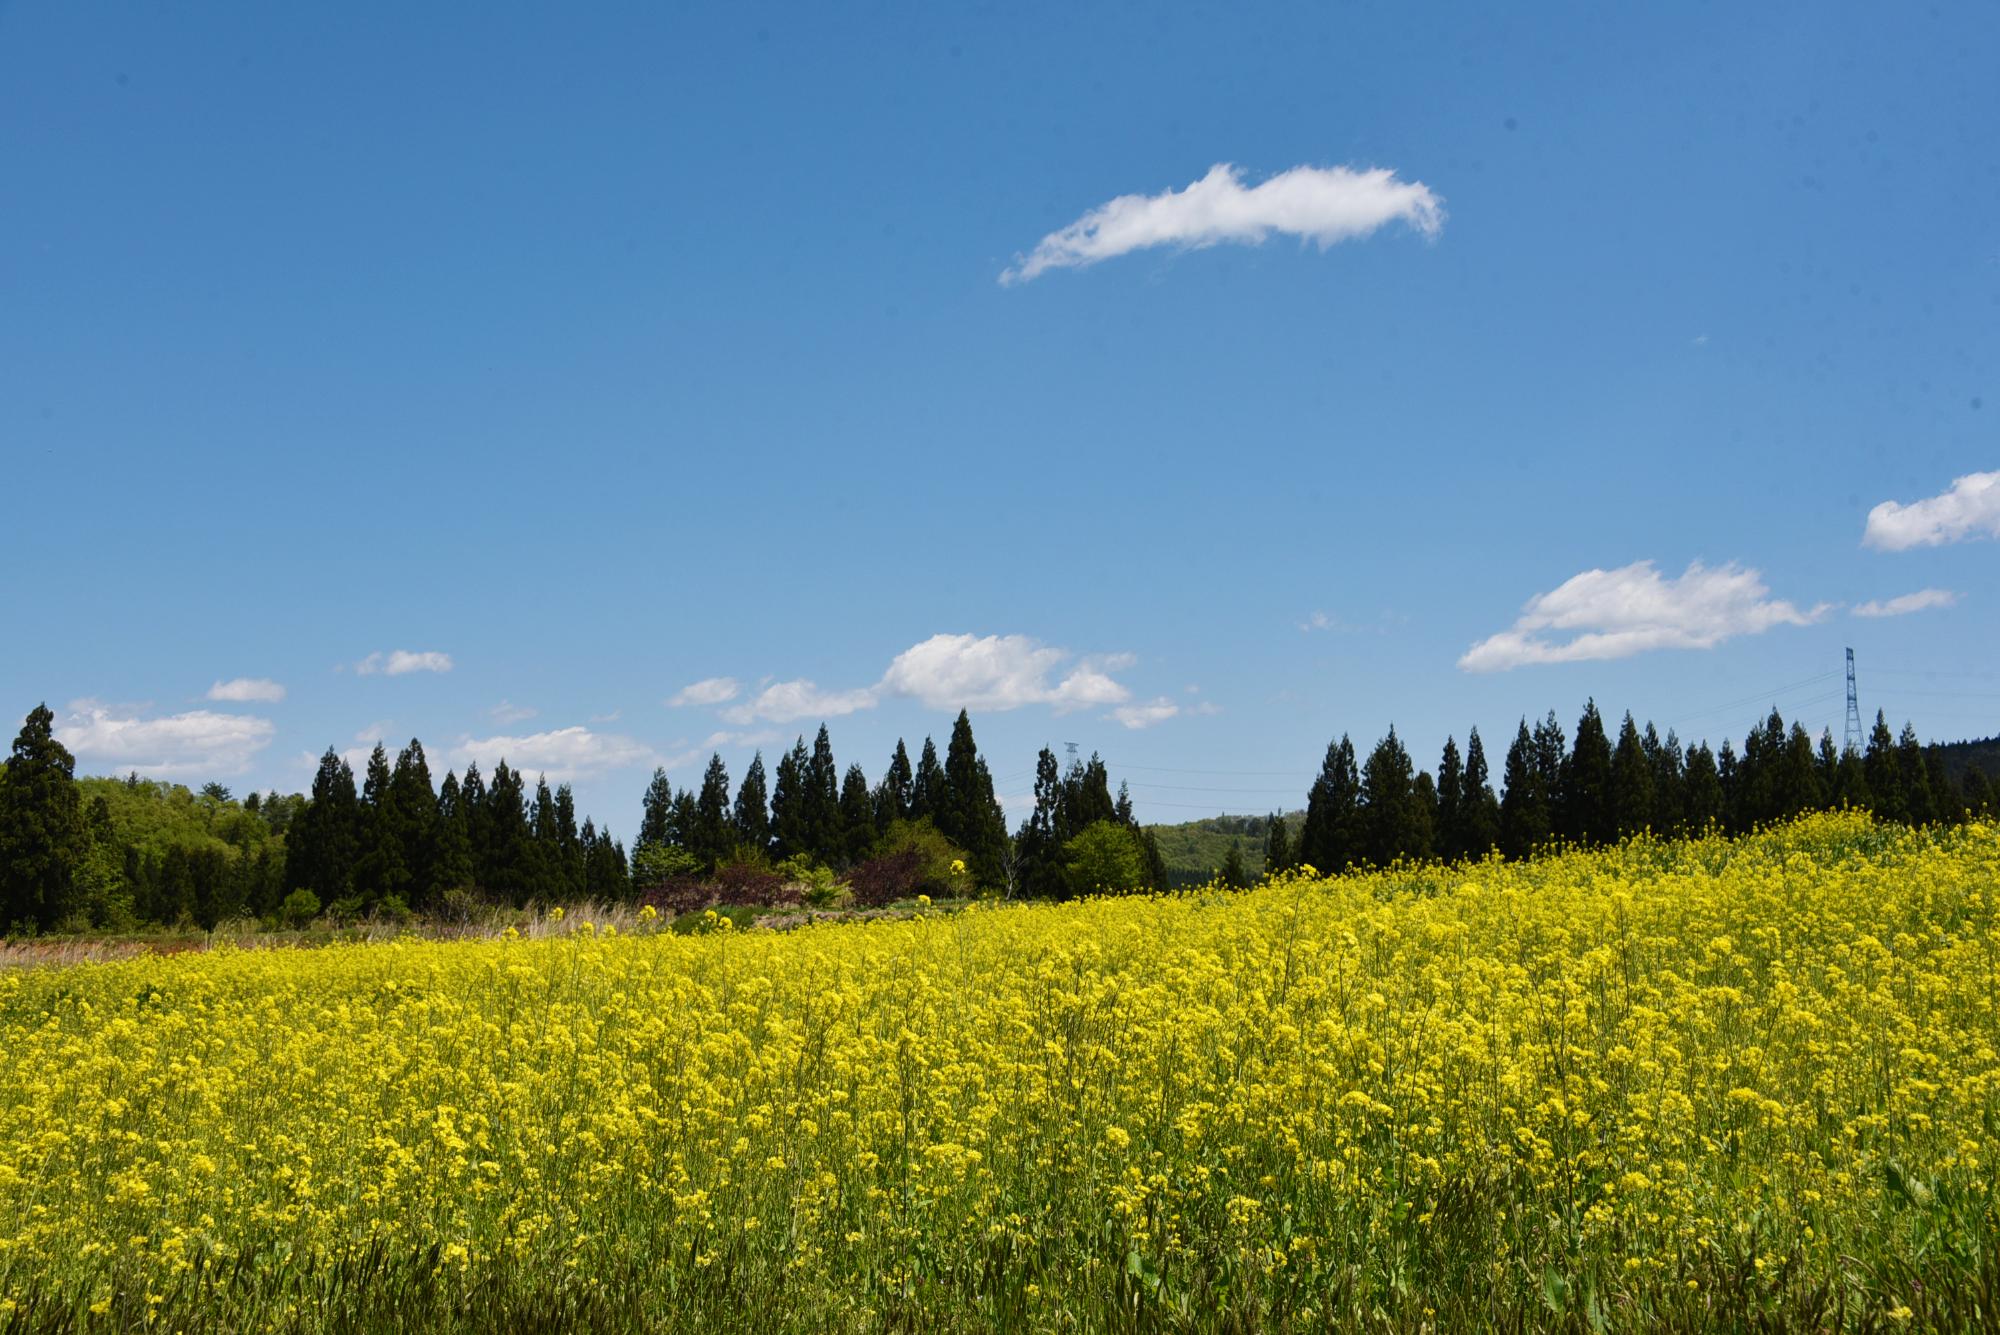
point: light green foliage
(945, 870)
(820, 888)
(1195, 850)
(300, 907)
(653, 863)
(159, 852)
(1106, 858)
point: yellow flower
(1649, 1044)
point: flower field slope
(1703, 1085)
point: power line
(1198, 788)
(1929, 672)
(1757, 696)
(1900, 692)
(1230, 773)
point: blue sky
(599, 353)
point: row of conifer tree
(398, 840)
(811, 809)
(808, 808)
(1595, 791)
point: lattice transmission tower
(1853, 709)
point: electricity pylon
(1853, 709)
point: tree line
(111, 853)
(810, 809)
(1595, 790)
(399, 842)
(94, 853)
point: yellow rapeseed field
(1690, 1085)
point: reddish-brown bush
(881, 881)
(677, 895)
(740, 883)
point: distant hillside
(1962, 756)
(1193, 851)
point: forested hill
(1958, 757)
(1194, 852)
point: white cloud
(374, 732)
(1970, 509)
(243, 689)
(708, 691)
(508, 712)
(1145, 714)
(1920, 601)
(1000, 672)
(784, 701)
(990, 673)
(199, 743)
(561, 754)
(397, 662)
(1634, 609)
(1319, 204)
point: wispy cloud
(241, 690)
(199, 743)
(707, 691)
(398, 662)
(758, 737)
(1970, 508)
(1323, 205)
(508, 712)
(1921, 601)
(1603, 614)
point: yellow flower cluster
(1639, 1082)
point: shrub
(677, 895)
(1106, 857)
(818, 887)
(883, 880)
(460, 904)
(941, 863)
(742, 883)
(347, 910)
(653, 864)
(392, 909)
(300, 907)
